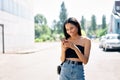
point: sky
(75, 8)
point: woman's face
(71, 29)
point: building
(115, 18)
(16, 25)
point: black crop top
(70, 53)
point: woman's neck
(75, 37)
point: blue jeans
(71, 71)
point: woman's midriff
(73, 59)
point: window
(1, 2)
(117, 8)
(118, 25)
(16, 9)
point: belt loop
(68, 61)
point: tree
(42, 31)
(37, 31)
(54, 26)
(62, 17)
(103, 22)
(93, 24)
(40, 22)
(40, 19)
(83, 23)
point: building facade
(115, 18)
(16, 25)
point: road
(41, 65)
(103, 65)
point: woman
(75, 51)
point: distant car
(101, 41)
(112, 41)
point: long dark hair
(73, 21)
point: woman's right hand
(63, 41)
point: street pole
(3, 45)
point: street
(103, 65)
(42, 65)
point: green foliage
(83, 33)
(103, 22)
(44, 33)
(63, 13)
(37, 30)
(62, 17)
(40, 19)
(61, 36)
(101, 32)
(83, 23)
(93, 22)
(45, 37)
(38, 40)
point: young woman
(75, 51)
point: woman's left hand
(69, 44)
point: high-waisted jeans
(72, 71)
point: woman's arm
(63, 49)
(84, 58)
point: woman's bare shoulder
(86, 38)
(87, 41)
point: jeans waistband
(73, 62)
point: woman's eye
(71, 28)
(67, 29)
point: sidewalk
(40, 65)
(36, 47)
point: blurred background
(30, 33)
(23, 23)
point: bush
(101, 32)
(38, 40)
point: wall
(18, 25)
